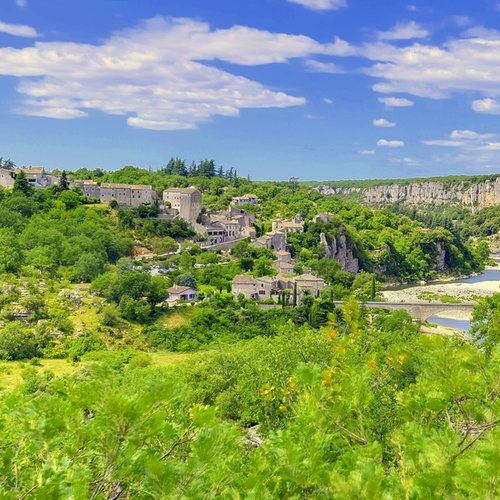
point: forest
(110, 392)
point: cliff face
(483, 194)
(339, 249)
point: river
(466, 289)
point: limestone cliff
(472, 195)
(338, 248)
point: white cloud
(406, 160)
(446, 143)
(21, 3)
(327, 100)
(487, 106)
(18, 30)
(383, 123)
(467, 140)
(322, 67)
(469, 134)
(396, 102)
(491, 146)
(320, 4)
(468, 63)
(403, 31)
(390, 144)
(366, 152)
(411, 8)
(141, 74)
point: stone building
(284, 264)
(226, 226)
(270, 287)
(295, 225)
(185, 293)
(127, 195)
(36, 176)
(187, 201)
(89, 188)
(244, 284)
(274, 240)
(246, 198)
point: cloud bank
(140, 73)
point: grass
(172, 319)
(11, 371)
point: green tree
(22, 185)
(63, 181)
(485, 323)
(187, 279)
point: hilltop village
(216, 231)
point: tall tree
(206, 168)
(22, 185)
(63, 181)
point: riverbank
(454, 291)
(433, 329)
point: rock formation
(338, 248)
(477, 195)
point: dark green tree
(63, 181)
(22, 185)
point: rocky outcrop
(439, 263)
(476, 195)
(338, 248)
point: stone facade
(244, 284)
(187, 201)
(295, 225)
(226, 226)
(270, 287)
(36, 176)
(274, 240)
(127, 195)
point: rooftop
(31, 170)
(179, 289)
(125, 186)
(308, 277)
(181, 190)
(244, 279)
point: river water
(459, 324)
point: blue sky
(317, 89)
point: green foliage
(485, 324)
(22, 185)
(377, 413)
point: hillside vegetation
(110, 392)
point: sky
(314, 89)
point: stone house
(187, 201)
(246, 198)
(185, 293)
(221, 227)
(36, 176)
(266, 287)
(90, 189)
(274, 240)
(295, 225)
(126, 195)
(308, 282)
(244, 284)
